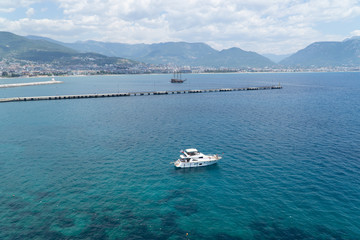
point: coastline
(202, 73)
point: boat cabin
(191, 152)
(186, 159)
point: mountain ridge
(318, 54)
(12, 45)
(176, 53)
(43, 50)
(167, 53)
(326, 54)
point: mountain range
(40, 49)
(326, 54)
(44, 51)
(174, 53)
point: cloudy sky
(263, 26)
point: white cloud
(18, 3)
(355, 33)
(30, 12)
(279, 26)
(7, 10)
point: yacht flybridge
(193, 158)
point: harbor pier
(104, 95)
(10, 85)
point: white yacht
(193, 158)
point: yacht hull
(193, 158)
(181, 164)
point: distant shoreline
(215, 72)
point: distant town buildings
(23, 68)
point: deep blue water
(99, 168)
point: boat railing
(216, 156)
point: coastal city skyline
(276, 27)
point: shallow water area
(100, 168)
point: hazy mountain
(110, 49)
(318, 54)
(234, 57)
(276, 57)
(15, 46)
(44, 50)
(326, 54)
(33, 37)
(177, 53)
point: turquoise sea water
(99, 168)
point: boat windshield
(192, 153)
